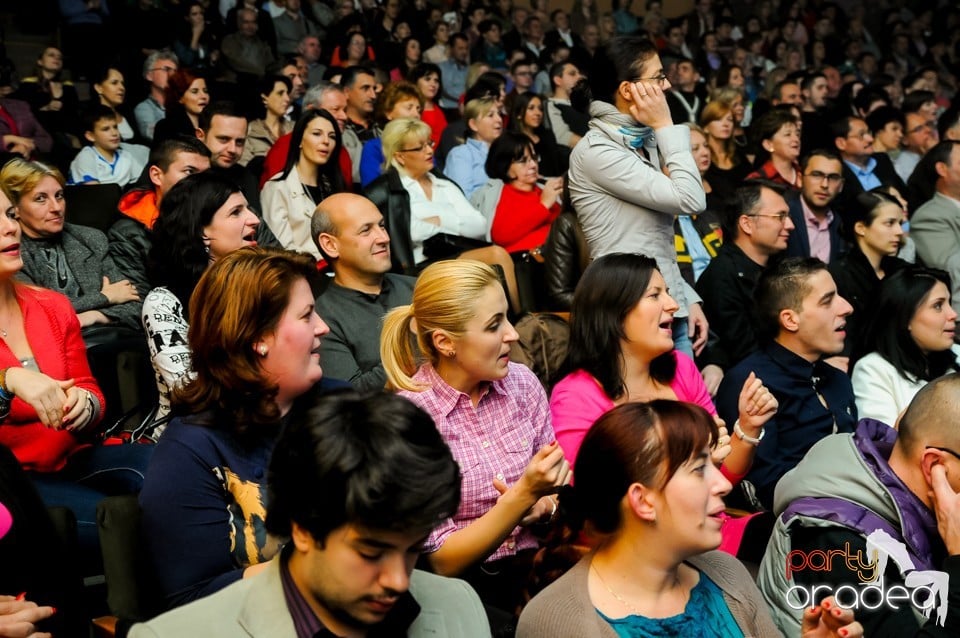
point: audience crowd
(330, 229)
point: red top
(768, 171)
(437, 121)
(53, 333)
(521, 222)
(276, 159)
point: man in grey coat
(624, 200)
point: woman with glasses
(398, 99)
(911, 336)
(624, 201)
(426, 214)
(524, 211)
(311, 174)
(875, 231)
(527, 117)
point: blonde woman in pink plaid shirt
(492, 413)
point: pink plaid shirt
(494, 440)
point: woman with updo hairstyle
(185, 98)
(874, 226)
(418, 205)
(911, 334)
(491, 412)
(203, 218)
(255, 342)
(263, 133)
(649, 494)
(621, 351)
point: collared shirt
(447, 203)
(818, 232)
(815, 399)
(351, 350)
(454, 77)
(495, 439)
(396, 623)
(865, 175)
(465, 165)
(364, 134)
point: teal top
(706, 616)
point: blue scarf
(636, 136)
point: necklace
(622, 601)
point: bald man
(351, 235)
(848, 486)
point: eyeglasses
(920, 127)
(944, 449)
(861, 135)
(165, 69)
(429, 143)
(778, 216)
(817, 176)
(659, 79)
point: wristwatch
(752, 440)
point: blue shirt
(465, 165)
(454, 77)
(865, 175)
(371, 161)
(801, 420)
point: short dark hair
(422, 70)
(948, 119)
(767, 126)
(166, 152)
(627, 55)
(94, 113)
(459, 35)
(487, 85)
(809, 78)
(940, 154)
(510, 147)
(744, 201)
(267, 84)
(901, 295)
(350, 74)
(819, 152)
(376, 460)
(879, 118)
(782, 285)
(865, 208)
(223, 108)
(610, 288)
(915, 99)
(487, 24)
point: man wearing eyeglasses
(816, 227)
(902, 481)
(863, 168)
(756, 227)
(919, 137)
(156, 70)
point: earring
(262, 349)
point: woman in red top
(525, 211)
(778, 137)
(50, 404)
(426, 77)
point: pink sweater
(578, 400)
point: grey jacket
(564, 609)
(935, 228)
(625, 203)
(255, 607)
(86, 252)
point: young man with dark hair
(568, 124)
(863, 168)
(816, 230)
(129, 237)
(357, 483)
(800, 320)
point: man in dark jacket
(863, 169)
(816, 230)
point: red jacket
(53, 333)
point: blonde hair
(399, 132)
(444, 298)
(20, 176)
(477, 108)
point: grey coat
(86, 253)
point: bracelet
(5, 393)
(743, 435)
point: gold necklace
(622, 601)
